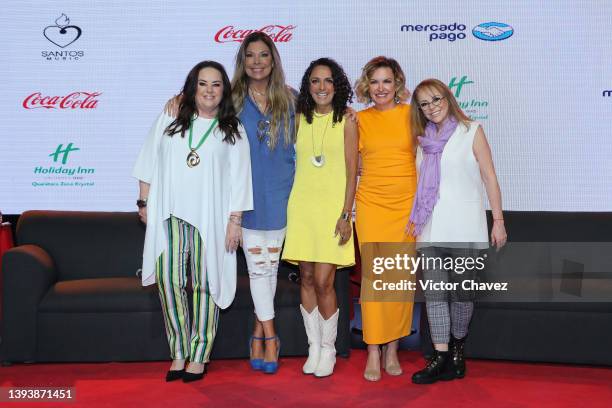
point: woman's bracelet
(498, 219)
(236, 219)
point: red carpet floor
(231, 383)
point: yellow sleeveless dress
(383, 203)
(317, 196)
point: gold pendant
(193, 159)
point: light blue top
(272, 172)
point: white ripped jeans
(262, 250)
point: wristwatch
(345, 215)
(141, 203)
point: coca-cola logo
(278, 33)
(74, 100)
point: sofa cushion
(584, 307)
(100, 295)
(86, 245)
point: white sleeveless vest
(459, 215)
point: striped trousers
(187, 341)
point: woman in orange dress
(384, 199)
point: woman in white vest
(448, 217)
(195, 182)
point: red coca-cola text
(278, 33)
(74, 100)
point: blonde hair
(417, 117)
(362, 86)
(280, 98)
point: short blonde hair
(417, 117)
(362, 86)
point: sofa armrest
(28, 273)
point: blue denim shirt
(272, 170)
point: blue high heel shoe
(256, 363)
(271, 367)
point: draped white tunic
(203, 196)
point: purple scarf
(428, 185)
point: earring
(396, 99)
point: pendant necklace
(259, 106)
(193, 159)
(318, 160)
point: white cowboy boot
(311, 324)
(329, 331)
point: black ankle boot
(439, 367)
(456, 349)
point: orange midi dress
(386, 189)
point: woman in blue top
(266, 106)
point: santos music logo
(62, 34)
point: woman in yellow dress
(319, 236)
(387, 186)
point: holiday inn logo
(59, 174)
(473, 107)
(63, 152)
(454, 83)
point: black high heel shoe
(190, 377)
(173, 375)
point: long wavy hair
(226, 115)
(343, 92)
(362, 86)
(280, 98)
(417, 117)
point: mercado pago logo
(493, 31)
(278, 33)
(57, 171)
(62, 34)
(475, 108)
(435, 32)
(73, 100)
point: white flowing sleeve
(145, 163)
(241, 183)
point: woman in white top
(195, 182)
(448, 216)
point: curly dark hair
(228, 120)
(343, 92)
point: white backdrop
(540, 93)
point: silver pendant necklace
(261, 107)
(318, 160)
